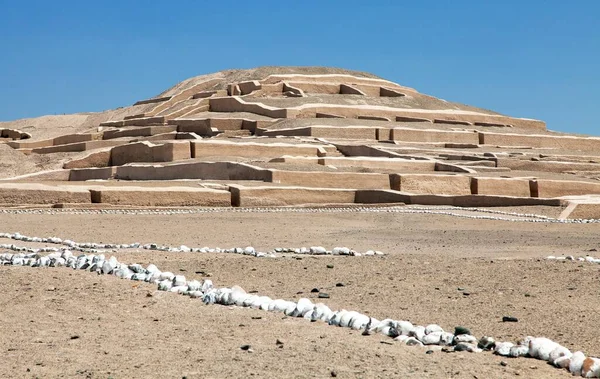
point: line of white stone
(447, 211)
(102, 248)
(404, 331)
(571, 258)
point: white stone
(503, 348)
(541, 348)
(166, 275)
(412, 341)
(359, 321)
(591, 368)
(165, 285)
(194, 285)
(207, 284)
(576, 363)
(558, 352)
(465, 338)
(179, 280)
(108, 267)
(418, 332)
(519, 351)
(433, 338)
(433, 328)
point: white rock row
(449, 211)
(574, 259)
(403, 331)
(552, 352)
(97, 248)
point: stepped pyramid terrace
(277, 136)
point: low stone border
(101, 248)
(446, 211)
(588, 259)
(413, 335)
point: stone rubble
(403, 331)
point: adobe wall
(375, 118)
(365, 151)
(432, 135)
(441, 166)
(77, 147)
(591, 144)
(62, 140)
(311, 87)
(206, 148)
(74, 138)
(201, 105)
(350, 132)
(296, 160)
(97, 159)
(148, 152)
(198, 126)
(83, 174)
(322, 179)
(454, 116)
(236, 104)
(303, 131)
(395, 164)
(383, 134)
(172, 136)
(557, 188)
(500, 186)
(281, 196)
(289, 89)
(371, 196)
(183, 95)
(152, 101)
(392, 196)
(331, 78)
(29, 193)
(546, 166)
(161, 197)
(431, 184)
(249, 86)
(209, 93)
(30, 144)
(389, 92)
(193, 170)
(139, 132)
(346, 89)
(145, 121)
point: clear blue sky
(526, 58)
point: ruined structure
(291, 136)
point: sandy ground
(64, 323)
